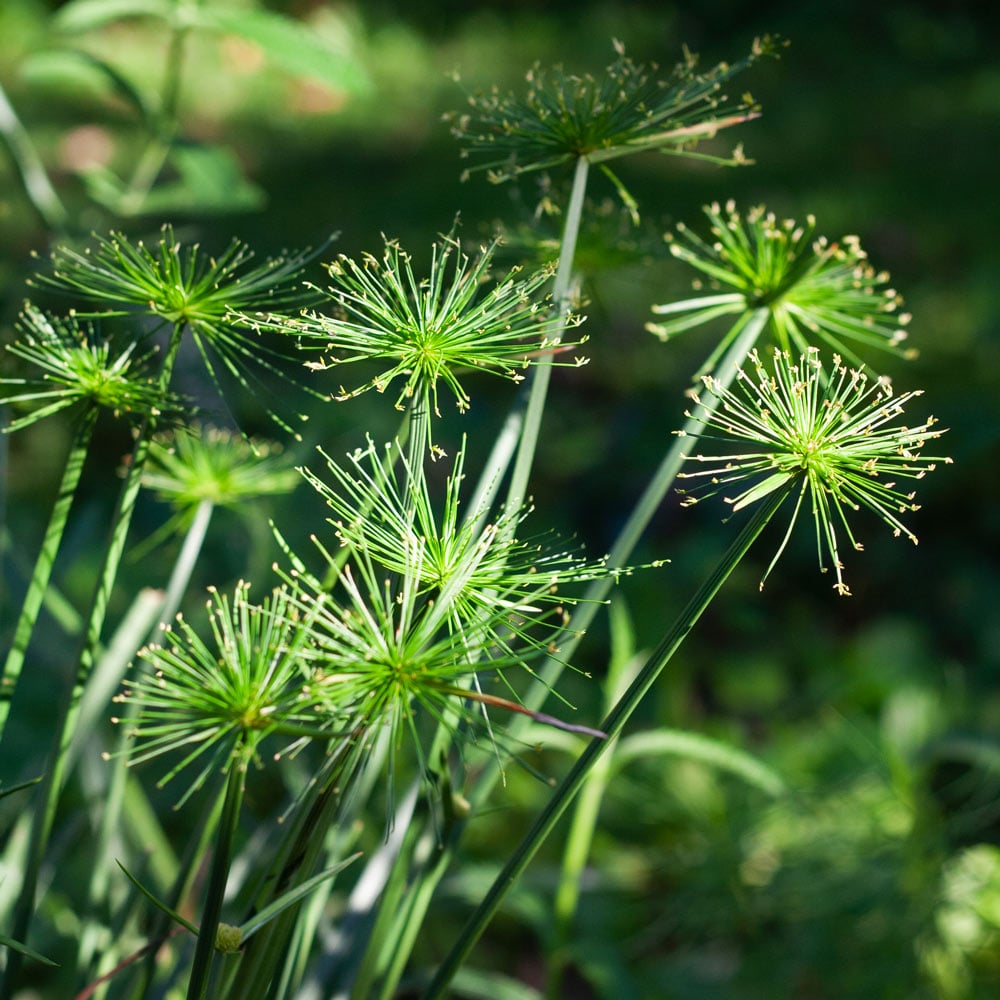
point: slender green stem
(67, 704)
(191, 548)
(111, 816)
(542, 373)
(123, 514)
(584, 822)
(160, 141)
(612, 726)
(521, 428)
(34, 177)
(39, 581)
(221, 860)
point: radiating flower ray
(836, 431)
(431, 330)
(563, 117)
(185, 287)
(814, 289)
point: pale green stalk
(541, 375)
(523, 424)
(612, 726)
(166, 605)
(42, 572)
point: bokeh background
(879, 876)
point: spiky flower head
(429, 330)
(78, 366)
(813, 289)
(834, 434)
(183, 286)
(180, 284)
(564, 117)
(200, 464)
(383, 507)
(428, 608)
(213, 698)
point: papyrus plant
(388, 665)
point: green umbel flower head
(813, 289)
(431, 330)
(564, 117)
(431, 610)
(835, 432)
(77, 366)
(206, 463)
(184, 287)
(214, 698)
(385, 510)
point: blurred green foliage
(879, 875)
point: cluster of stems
(425, 623)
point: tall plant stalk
(611, 725)
(49, 790)
(115, 790)
(42, 572)
(222, 854)
(542, 374)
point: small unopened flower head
(835, 434)
(814, 289)
(427, 331)
(563, 117)
(207, 463)
(77, 366)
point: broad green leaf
(475, 984)
(291, 45)
(84, 15)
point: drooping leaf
(84, 15)
(78, 70)
(291, 45)
(704, 749)
(24, 950)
